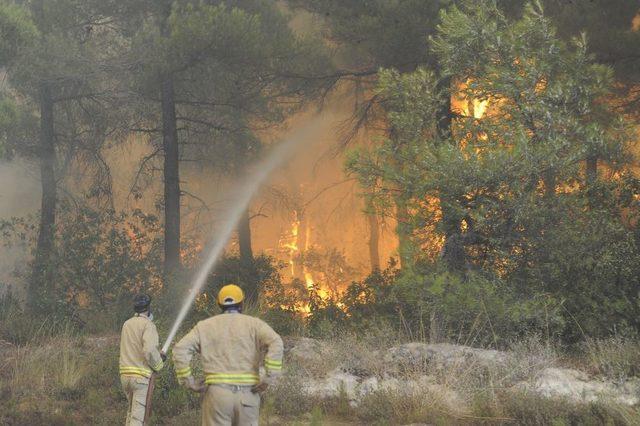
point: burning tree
(542, 170)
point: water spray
(246, 191)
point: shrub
(99, 260)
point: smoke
(313, 183)
(19, 196)
(242, 197)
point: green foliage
(381, 33)
(17, 31)
(100, 260)
(215, 52)
(518, 189)
(474, 308)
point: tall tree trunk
(372, 217)
(405, 246)
(244, 238)
(302, 243)
(41, 271)
(445, 115)
(171, 179)
(374, 236)
(453, 252)
(246, 257)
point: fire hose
(150, 388)
(147, 405)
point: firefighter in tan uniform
(139, 357)
(230, 347)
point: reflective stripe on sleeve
(183, 372)
(232, 378)
(272, 364)
(135, 371)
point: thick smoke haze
(312, 189)
(19, 196)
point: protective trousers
(228, 405)
(136, 390)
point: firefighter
(139, 357)
(230, 347)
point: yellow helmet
(229, 295)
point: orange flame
(290, 243)
(466, 107)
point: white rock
(549, 382)
(577, 386)
(332, 385)
(305, 349)
(418, 355)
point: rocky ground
(343, 381)
(452, 372)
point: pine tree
(518, 177)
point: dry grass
(464, 392)
(616, 358)
(44, 369)
(67, 380)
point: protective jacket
(230, 347)
(139, 354)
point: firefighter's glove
(196, 386)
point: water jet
(245, 192)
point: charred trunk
(374, 235)
(453, 252)
(41, 278)
(374, 242)
(246, 257)
(244, 239)
(171, 178)
(445, 115)
(302, 243)
(405, 246)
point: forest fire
(290, 244)
(463, 106)
(345, 204)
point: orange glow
(635, 23)
(308, 278)
(480, 107)
(466, 107)
(290, 243)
